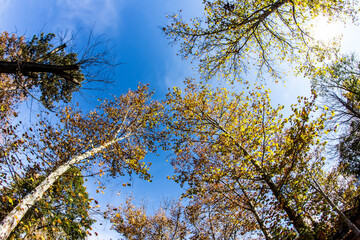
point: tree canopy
(235, 34)
(234, 141)
(248, 168)
(38, 65)
(247, 171)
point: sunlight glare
(325, 31)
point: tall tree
(115, 137)
(234, 33)
(27, 66)
(238, 146)
(338, 84)
(37, 64)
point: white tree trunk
(14, 217)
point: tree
(213, 215)
(199, 219)
(135, 223)
(38, 65)
(349, 153)
(218, 215)
(338, 84)
(234, 34)
(342, 216)
(237, 147)
(61, 214)
(228, 209)
(115, 137)
(55, 71)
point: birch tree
(63, 213)
(113, 139)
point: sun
(325, 31)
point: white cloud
(32, 16)
(103, 14)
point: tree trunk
(28, 67)
(296, 219)
(298, 222)
(352, 226)
(14, 217)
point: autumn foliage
(248, 169)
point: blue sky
(133, 28)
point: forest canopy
(247, 168)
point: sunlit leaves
(136, 223)
(234, 34)
(132, 117)
(236, 146)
